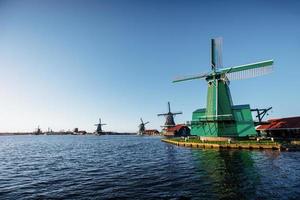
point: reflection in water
(231, 172)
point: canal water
(135, 167)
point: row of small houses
(281, 127)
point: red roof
(151, 130)
(175, 128)
(281, 123)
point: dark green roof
(200, 110)
(241, 106)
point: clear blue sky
(63, 64)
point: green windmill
(221, 118)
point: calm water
(133, 167)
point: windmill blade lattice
(249, 70)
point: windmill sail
(216, 53)
(191, 77)
(248, 70)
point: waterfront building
(178, 130)
(151, 132)
(282, 127)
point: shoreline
(251, 145)
(60, 133)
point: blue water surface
(136, 167)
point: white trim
(217, 83)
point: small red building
(177, 131)
(151, 132)
(282, 127)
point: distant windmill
(99, 127)
(142, 127)
(169, 117)
(38, 131)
